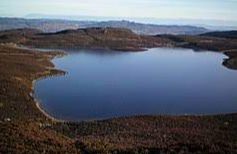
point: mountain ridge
(85, 38)
(222, 34)
(54, 25)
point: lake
(160, 81)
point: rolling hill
(54, 25)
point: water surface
(106, 84)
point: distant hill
(42, 24)
(151, 29)
(54, 25)
(115, 39)
(84, 38)
(224, 34)
(214, 41)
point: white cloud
(201, 9)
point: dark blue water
(159, 81)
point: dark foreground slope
(156, 134)
(92, 38)
(24, 129)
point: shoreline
(37, 103)
(59, 73)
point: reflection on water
(106, 84)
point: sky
(225, 10)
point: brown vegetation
(23, 128)
(20, 120)
(90, 38)
(203, 42)
(154, 134)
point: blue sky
(160, 9)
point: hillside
(90, 38)
(221, 41)
(117, 39)
(53, 25)
(224, 34)
(151, 29)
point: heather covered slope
(204, 42)
(22, 125)
(118, 39)
(156, 134)
(92, 38)
(224, 34)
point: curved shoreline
(60, 73)
(38, 103)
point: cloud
(201, 9)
